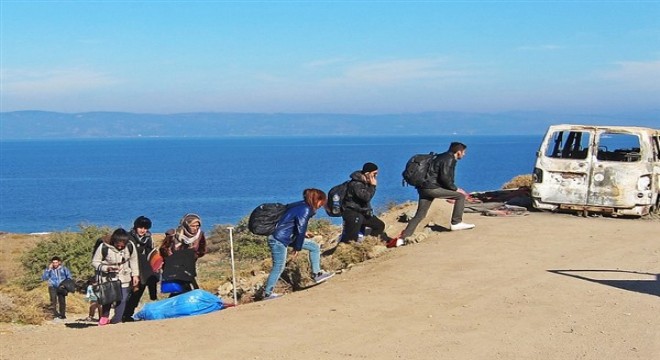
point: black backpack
(417, 169)
(336, 197)
(264, 218)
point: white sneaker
(461, 226)
(323, 276)
(272, 296)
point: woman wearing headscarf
(180, 250)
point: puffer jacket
(56, 276)
(359, 194)
(441, 172)
(126, 263)
(291, 228)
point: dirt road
(543, 286)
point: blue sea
(56, 185)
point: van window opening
(618, 147)
(575, 146)
(656, 148)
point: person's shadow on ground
(644, 286)
(80, 325)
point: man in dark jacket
(357, 212)
(141, 238)
(440, 185)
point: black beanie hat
(142, 221)
(369, 167)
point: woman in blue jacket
(55, 273)
(291, 230)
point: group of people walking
(129, 255)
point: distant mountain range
(45, 125)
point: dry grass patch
(519, 181)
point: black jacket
(359, 194)
(144, 246)
(180, 266)
(441, 172)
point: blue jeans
(119, 307)
(278, 253)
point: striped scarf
(184, 234)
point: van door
(620, 161)
(655, 184)
(564, 160)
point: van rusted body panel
(605, 169)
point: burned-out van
(604, 169)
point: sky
(352, 57)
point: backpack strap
(105, 249)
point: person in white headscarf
(187, 236)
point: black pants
(135, 296)
(55, 300)
(355, 221)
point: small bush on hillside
(247, 246)
(217, 240)
(33, 307)
(322, 227)
(519, 181)
(353, 252)
(25, 307)
(75, 249)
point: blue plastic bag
(195, 302)
(170, 287)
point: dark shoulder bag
(107, 292)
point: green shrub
(320, 226)
(75, 249)
(217, 240)
(247, 246)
